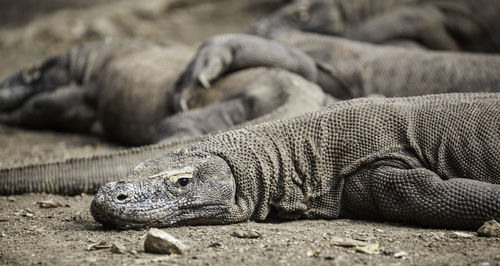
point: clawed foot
(231, 52)
(211, 61)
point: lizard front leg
(420, 196)
(198, 122)
(226, 53)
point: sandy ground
(30, 234)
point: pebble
(133, 252)
(462, 234)
(246, 234)
(368, 249)
(78, 217)
(45, 204)
(117, 248)
(346, 242)
(215, 245)
(161, 242)
(98, 245)
(400, 254)
(313, 253)
(489, 229)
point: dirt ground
(30, 234)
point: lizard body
(431, 160)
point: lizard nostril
(122, 197)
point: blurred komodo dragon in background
(126, 87)
(343, 68)
(130, 90)
(430, 160)
(467, 25)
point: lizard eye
(301, 13)
(183, 181)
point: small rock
(489, 229)
(51, 204)
(4, 218)
(11, 199)
(133, 252)
(161, 242)
(312, 253)
(368, 249)
(118, 249)
(35, 229)
(462, 234)
(246, 234)
(78, 217)
(344, 242)
(400, 254)
(99, 245)
(215, 245)
(28, 214)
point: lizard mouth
(172, 214)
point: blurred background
(31, 30)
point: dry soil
(30, 234)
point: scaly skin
(430, 160)
(345, 69)
(99, 83)
(468, 25)
(267, 95)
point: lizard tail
(80, 175)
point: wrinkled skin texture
(97, 86)
(263, 95)
(178, 189)
(342, 68)
(430, 160)
(467, 25)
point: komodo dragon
(267, 95)
(468, 25)
(124, 86)
(430, 160)
(343, 68)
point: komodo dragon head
(177, 188)
(307, 15)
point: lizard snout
(119, 192)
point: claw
(202, 78)
(183, 104)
